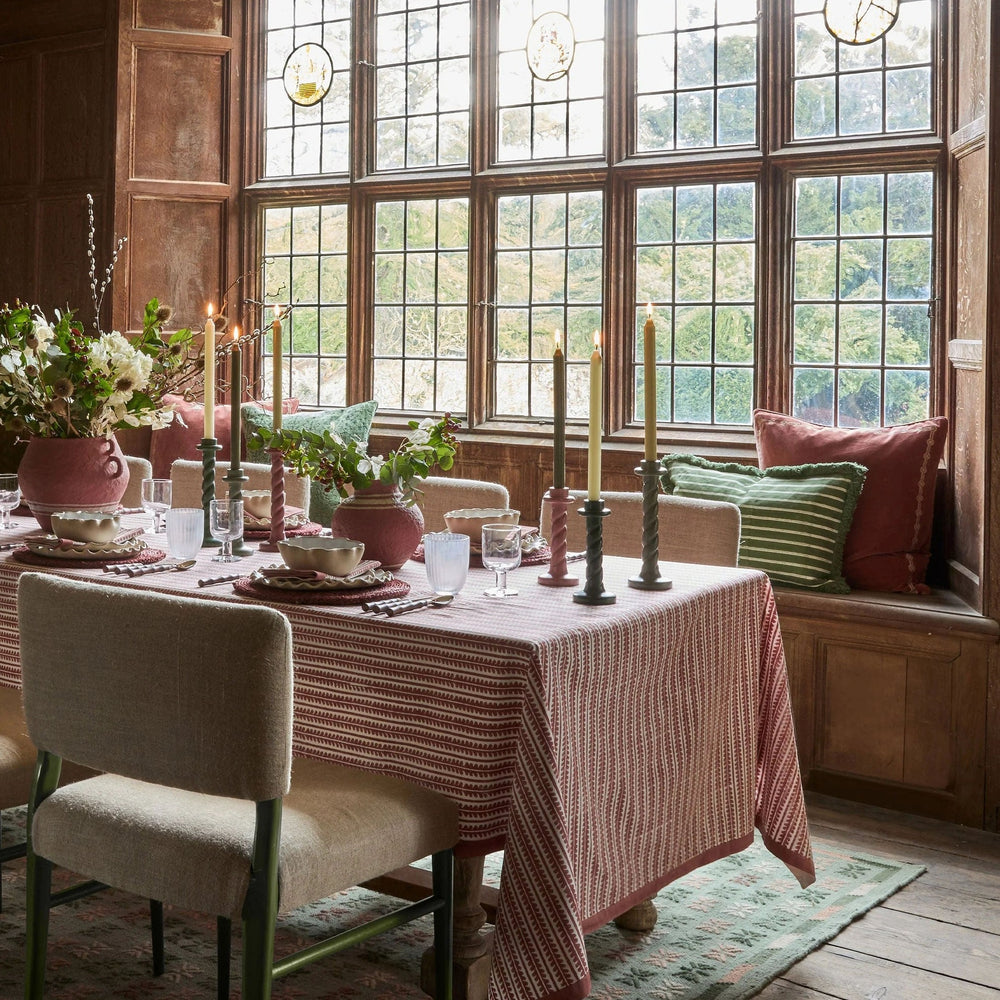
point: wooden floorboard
(936, 939)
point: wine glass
(501, 552)
(10, 497)
(225, 522)
(156, 495)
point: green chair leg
(39, 891)
(223, 955)
(156, 934)
(443, 884)
(260, 909)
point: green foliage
(329, 459)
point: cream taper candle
(209, 354)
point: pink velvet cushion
(181, 437)
(888, 546)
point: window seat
(890, 697)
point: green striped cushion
(794, 517)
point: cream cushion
(194, 850)
(138, 470)
(692, 531)
(186, 479)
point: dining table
(605, 749)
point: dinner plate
(60, 548)
(373, 578)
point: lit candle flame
(649, 310)
(597, 340)
(211, 309)
(236, 334)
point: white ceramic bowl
(85, 526)
(257, 503)
(470, 520)
(333, 556)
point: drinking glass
(446, 559)
(501, 552)
(185, 531)
(225, 522)
(156, 494)
(10, 497)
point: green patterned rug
(724, 932)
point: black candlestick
(208, 448)
(649, 576)
(593, 590)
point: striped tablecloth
(608, 750)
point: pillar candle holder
(559, 501)
(277, 533)
(236, 479)
(593, 590)
(208, 448)
(649, 578)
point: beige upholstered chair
(694, 531)
(138, 470)
(439, 494)
(17, 763)
(186, 479)
(201, 805)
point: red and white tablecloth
(607, 749)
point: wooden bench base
(891, 696)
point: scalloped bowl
(85, 526)
(470, 520)
(333, 556)
(257, 503)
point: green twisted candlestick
(593, 590)
(208, 448)
(649, 576)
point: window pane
(550, 261)
(421, 304)
(422, 84)
(307, 266)
(696, 262)
(881, 88)
(696, 75)
(299, 139)
(550, 119)
(861, 298)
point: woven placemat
(263, 534)
(246, 587)
(143, 556)
(537, 558)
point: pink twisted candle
(277, 532)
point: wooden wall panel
(178, 116)
(973, 60)
(180, 15)
(73, 94)
(17, 113)
(17, 251)
(177, 256)
(63, 267)
(39, 20)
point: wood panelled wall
(57, 91)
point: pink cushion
(888, 546)
(181, 437)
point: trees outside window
(445, 216)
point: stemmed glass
(10, 497)
(156, 496)
(225, 522)
(501, 552)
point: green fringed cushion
(352, 423)
(794, 517)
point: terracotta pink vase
(71, 474)
(377, 516)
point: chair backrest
(185, 476)
(173, 690)
(440, 494)
(138, 470)
(693, 531)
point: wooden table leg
(473, 946)
(641, 917)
